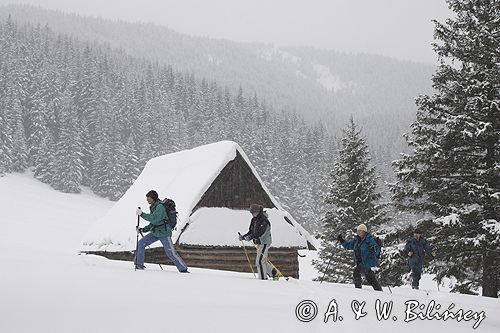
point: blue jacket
(419, 248)
(368, 247)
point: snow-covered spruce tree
(19, 153)
(453, 172)
(353, 199)
(5, 143)
(68, 175)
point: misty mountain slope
(78, 113)
(317, 83)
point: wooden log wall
(235, 187)
(217, 257)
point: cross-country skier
(260, 233)
(415, 249)
(366, 252)
(159, 230)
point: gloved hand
(410, 254)
(138, 212)
(247, 237)
(340, 239)
(240, 237)
(138, 230)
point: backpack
(379, 243)
(169, 205)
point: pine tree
(130, 163)
(37, 137)
(68, 175)
(453, 171)
(5, 144)
(353, 199)
(19, 153)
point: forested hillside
(82, 114)
(318, 84)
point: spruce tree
(19, 153)
(353, 198)
(453, 171)
(5, 144)
(68, 157)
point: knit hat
(362, 227)
(254, 208)
(417, 231)
(152, 194)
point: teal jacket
(157, 221)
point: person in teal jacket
(159, 230)
(366, 253)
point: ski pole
(136, 241)
(326, 270)
(384, 280)
(388, 286)
(248, 259)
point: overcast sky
(396, 28)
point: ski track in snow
(45, 286)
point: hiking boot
(185, 271)
(276, 274)
(140, 267)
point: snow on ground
(45, 286)
(327, 79)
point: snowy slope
(45, 286)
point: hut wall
(216, 257)
(235, 187)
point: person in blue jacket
(415, 250)
(366, 253)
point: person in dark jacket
(415, 249)
(260, 233)
(366, 253)
(159, 230)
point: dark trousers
(416, 274)
(370, 277)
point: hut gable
(235, 187)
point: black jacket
(258, 227)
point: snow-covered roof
(185, 176)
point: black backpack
(169, 205)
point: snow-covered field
(45, 286)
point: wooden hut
(213, 186)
